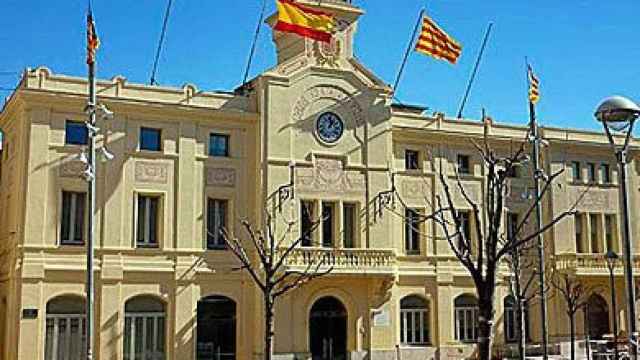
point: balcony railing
(589, 263)
(344, 261)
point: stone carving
(473, 190)
(327, 53)
(221, 177)
(329, 175)
(72, 168)
(148, 172)
(593, 199)
(293, 66)
(414, 189)
(327, 92)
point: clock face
(329, 127)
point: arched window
(512, 320)
(414, 321)
(597, 316)
(65, 328)
(144, 329)
(216, 328)
(466, 314)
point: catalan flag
(534, 86)
(433, 41)
(93, 42)
(304, 21)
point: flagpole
(408, 52)
(475, 70)
(92, 205)
(535, 140)
(255, 41)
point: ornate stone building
(188, 162)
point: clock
(329, 127)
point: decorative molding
(148, 172)
(72, 168)
(221, 177)
(329, 175)
(414, 189)
(289, 68)
(336, 94)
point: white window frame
(469, 316)
(420, 315)
(156, 354)
(56, 342)
(220, 243)
(72, 218)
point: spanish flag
(534, 86)
(93, 42)
(304, 21)
(433, 41)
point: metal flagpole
(475, 70)
(406, 55)
(538, 173)
(152, 81)
(91, 126)
(255, 41)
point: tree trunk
(572, 324)
(485, 328)
(268, 327)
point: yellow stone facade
(273, 139)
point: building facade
(188, 163)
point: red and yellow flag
(433, 41)
(534, 86)
(93, 42)
(304, 21)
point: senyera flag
(534, 86)
(93, 42)
(433, 41)
(304, 21)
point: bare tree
(264, 255)
(576, 296)
(482, 249)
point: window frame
(578, 224)
(576, 171)
(595, 234)
(411, 160)
(466, 169)
(72, 226)
(412, 231)
(328, 224)
(611, 230)
(424, 329)
(215, 245)
(472, 320)
(156, 131)
(146, 244)
(308, 241)
(592, 173)
(605, 173)
(354, 225)
(77, 125)
(227, 148)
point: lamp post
(612, 258)
(618, 116)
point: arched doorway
(328, 329)
(144, 329)
(216, 329)
(65, 328)
(597, 317)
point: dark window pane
(150, 139)
(79, 219)
(142, 214)
(411, 160)
(306, 215)
(66, 217)
(327, 224)
(219, 145)
(412, 231)
(76, 133)
(463, 164)
(216, 222)
(576, 169)
(349, 216)
(153, 220)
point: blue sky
(582, 50)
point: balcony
(344, 261)
(590, 264)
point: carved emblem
(328, 175)
(327, 53)
(293, 66)
(72, 169)
(414, 189)
(338, 95)
(148, 172)
(221, 177)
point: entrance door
(328, 330)
(597, 317)
(216, 329)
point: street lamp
(618, 115)
(612, 258)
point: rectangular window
(349, 225)
(463, 164)
(512, 225)
(150, 139)
(64, 336)
(144, 334)
(306, 222)
(328, 224)
(465, 224)
(75, 133)
(513, 172)
(219, 145)
(579, 229)
(216, 223)
(594, 220)
(611, 232)
(148, 212)
(467, 323)
(591, 170)
(605, 173)
(414, 326)
(576, 170)
(411, 160)
(72, 221)
(412, 231)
